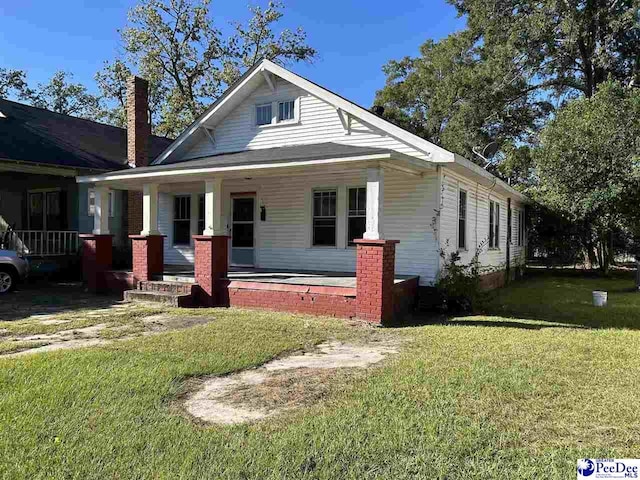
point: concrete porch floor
(183, 273)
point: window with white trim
(324, 218)
(494, 224)
(264, 115)
(276, 113)
(200, 214)
(91, 203)
(182, 220)
(356, 214)
(286, 111)
(521, 228)
(462, 219)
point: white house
(294, 174)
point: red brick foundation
(405, 297)
(117, 281)
(375, 273)
(337, 302)
(97, 256)
(148, 256)
(211, 268)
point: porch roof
(261, 161)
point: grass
(511, 394)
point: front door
(242, 231)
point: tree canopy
(189, 62)
(502, 77)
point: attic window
(277, 113)
(263, 114)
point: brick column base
(375, 274)
(148, 256)
(97, 256)
(211, 268)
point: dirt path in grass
(282, 384)
(99, 334)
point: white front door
(243, 230)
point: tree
(12, 81)
(516, 60)
(61, 96)
(176, 45)
(589, 163)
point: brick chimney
(138, 133)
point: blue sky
(354, 38)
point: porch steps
(175, 294)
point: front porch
(259, 235)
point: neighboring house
(41, 153)
(296, 175)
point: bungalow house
(285, 195)
(41, 153)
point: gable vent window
(286, 111)
(263, 114)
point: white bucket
(599, 298)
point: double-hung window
(462, 220)
(521, 228)
(356, 214)
(324, 218)
(286, 111)
(494, 224)
(182, 220)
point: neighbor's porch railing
(44, 243)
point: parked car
(13, 269)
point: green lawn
(477, 397)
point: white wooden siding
(319, 123)
(478, 198)
(284, 240)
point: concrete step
(175, 277)
(180, 288)
(171, 299)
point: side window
(182, 220)
(462, 219)
(491, 225)
(324, 218)
(496, 219)
(356, 214)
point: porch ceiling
(263, 162)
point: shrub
(460, 283)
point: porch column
(96, 260)
(101, 211)
(212, 249)
(148, 247)
(375, 201)
(149, 209)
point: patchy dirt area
(281, 384)
(98, 334)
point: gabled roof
(248, 82)
(40, 136)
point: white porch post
(101, 211)
(213, 217)
(150, 209)
(375, 201)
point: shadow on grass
(553, 299)
(50, 298)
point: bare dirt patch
(281, 384)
